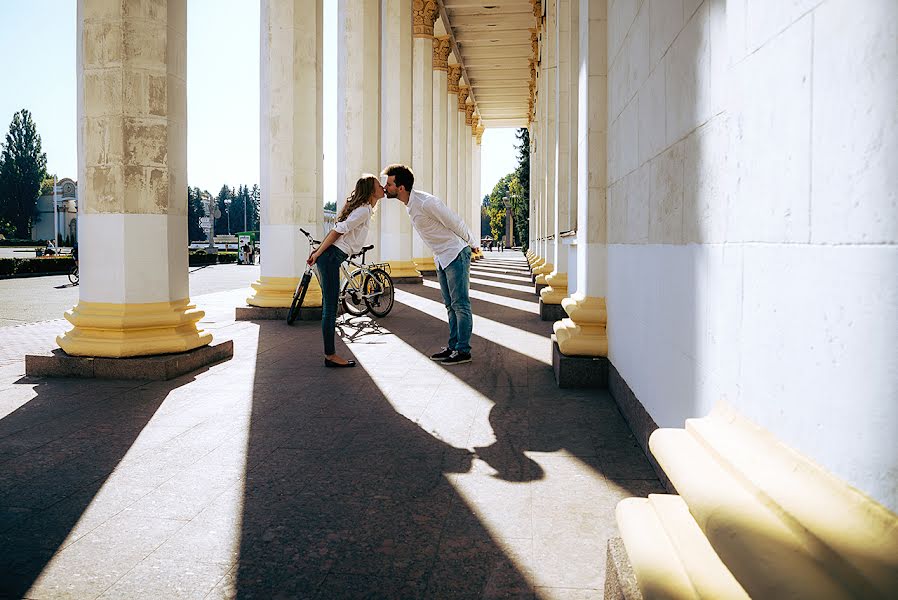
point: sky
(38, 72)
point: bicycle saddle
(362, 251)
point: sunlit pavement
(270, 476)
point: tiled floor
(269, 476)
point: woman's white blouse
(354, 230)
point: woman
(345, 239)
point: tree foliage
(23, 166)
(515, 188)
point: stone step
(782, 526)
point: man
(451, 242)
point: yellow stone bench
(753, 519)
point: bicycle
(73, 275)
(367, 288)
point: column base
(270, 313)
(157, 368)
(538, 287)
(425, 265)
(404, 271)
(579, 371)
(544, 269)
(277, 292)
(141, 329)
(583, 334)
(550, 311)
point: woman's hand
(312, 258)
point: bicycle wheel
(350, 294)
(298, 297)
(379, 292)
(73, 275)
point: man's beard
(389, 195)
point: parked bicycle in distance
(366, 288)
(73, 275)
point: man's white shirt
(440, 228)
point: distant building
(66, 213)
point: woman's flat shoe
(335, 365)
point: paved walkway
(269, 476)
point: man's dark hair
(402, 175)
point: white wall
(753, 220)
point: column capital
(469, 115)
(462, 95)
(441, 48)
(454, 76)
(424, 15)
(478, 132)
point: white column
(424, 16)
(474, 215)
(132, 174)
(440, 114)
(464, 207)
(573, 118)
(452, 135)
(358, 114)
(557, 279)
(477, 132)
(396, 132)
(550, 139)
(291, 147)
(584, 332)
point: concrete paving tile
(155, 578)
(91, 565)
(574, 562)
(555, 593)
(368, 587)
(474, 566)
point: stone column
(549, 145)
(583, 334)
(132, 172)
(396, 133)
(464, 206)
(291, 147)
(424, 15)
(474, 206)
(477, 132)
(358, 117)
(441, 49)
(452, 135)
(573, 99)
(556, 290)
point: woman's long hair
(361, 195)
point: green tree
(255, 197)
(520, 193)
(224, 198)
(23, 167)
(194, 211)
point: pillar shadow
(57, 451)
(346, 495)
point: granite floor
(269, 476)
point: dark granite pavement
(269, 476)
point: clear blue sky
(37, 72)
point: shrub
(50, 264)
(10, 267)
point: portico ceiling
(493, 38)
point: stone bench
(753, 519)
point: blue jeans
(454, 283)
(329, 277)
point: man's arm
(452, 222)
